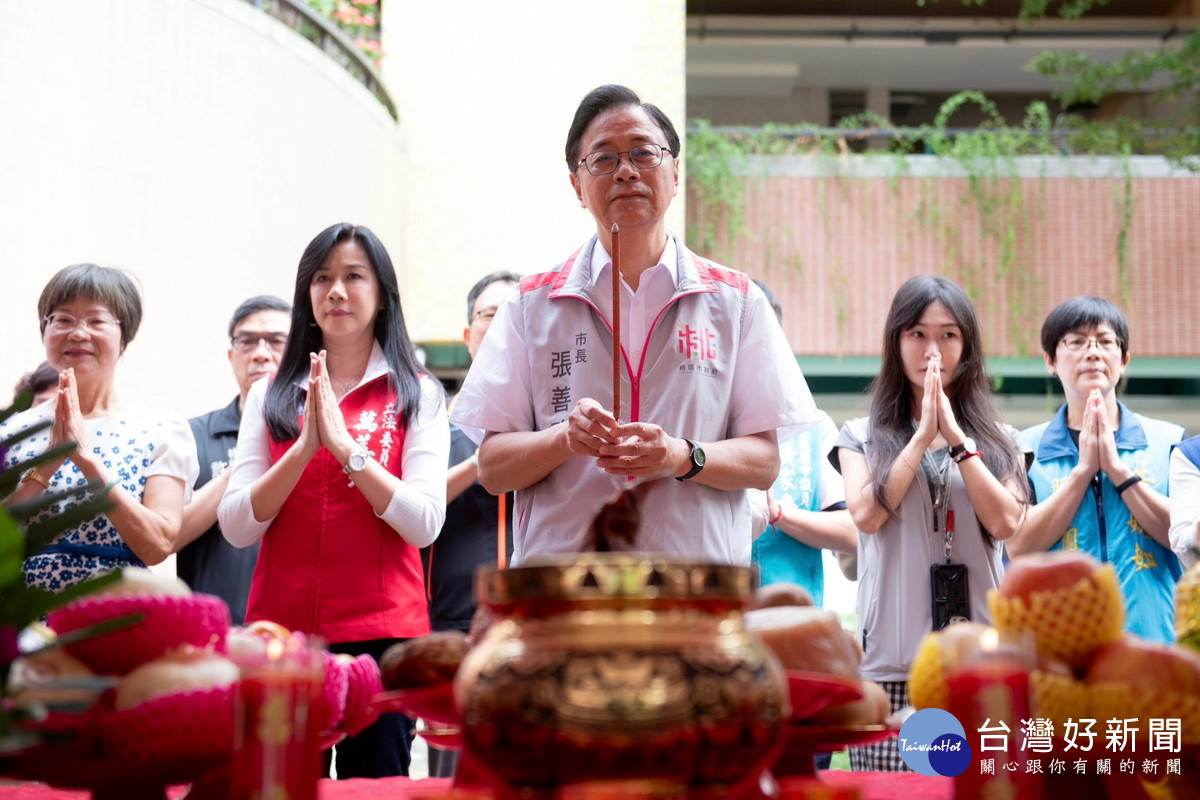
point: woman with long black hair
(933, 480)
(341, 473)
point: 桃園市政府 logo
(933, 742)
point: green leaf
(12, 549)
(21, 604)
(27, 509)
(22, 402)
(39, 535)
(91, 631)
(9, 478)
(22, 435)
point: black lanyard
(943, 515)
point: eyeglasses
(248, 342)
(485, 315)
(1076, 343)
(605, 162)
(65, 323)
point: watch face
(697, 456)
(969, 445)
(358, 461)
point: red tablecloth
(872, 785)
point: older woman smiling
(89, 315)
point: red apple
(1136, 662)
(1040, 572)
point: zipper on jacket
(1096, 487)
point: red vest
(328, 565)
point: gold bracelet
(32, 474)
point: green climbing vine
(985, 230)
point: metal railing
(298, 16)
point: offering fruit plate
(810, 692)
(434, 704)
(805, 741)
(441, 738)
(66, 766)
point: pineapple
(1187, 608)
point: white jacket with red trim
(716, 366)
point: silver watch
(357, 462)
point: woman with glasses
(933, 480)
(1100, 470)
(89, 315)
(341, 473)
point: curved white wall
(486, 92)
(201, 144)
(198, 143)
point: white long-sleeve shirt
(418, 506)
(1185, 507)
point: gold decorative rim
(615, 576)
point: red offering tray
(441, 738)
(805, 741)
(66, 767)
(434, 704)
(809, 692)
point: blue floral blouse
(133, 443)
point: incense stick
(616, 320)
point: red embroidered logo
(697, 342)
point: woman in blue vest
(1100, 470)
(933, 481)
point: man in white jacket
(707, 377)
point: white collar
(376, 366)
(669, 259)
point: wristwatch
(697, 456)
(357, 462)
(965, 450)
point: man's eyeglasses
(485, 315)
(1075, 343)
(605, 162)
(248, 342)
(65, 323)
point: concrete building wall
(486, 92)
(199, 144)
(808, 105)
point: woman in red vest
(341, 473)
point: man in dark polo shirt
(206, 562)
(476, 521)
(473, 529)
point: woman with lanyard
(89, 316)
(341, 473)
(933, 479)
(1100, 472)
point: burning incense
(616, 320)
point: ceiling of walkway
(773, 47)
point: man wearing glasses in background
(707, 376)
(258, 333)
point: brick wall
(835, 245)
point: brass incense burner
(620, 665)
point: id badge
(951, 599)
